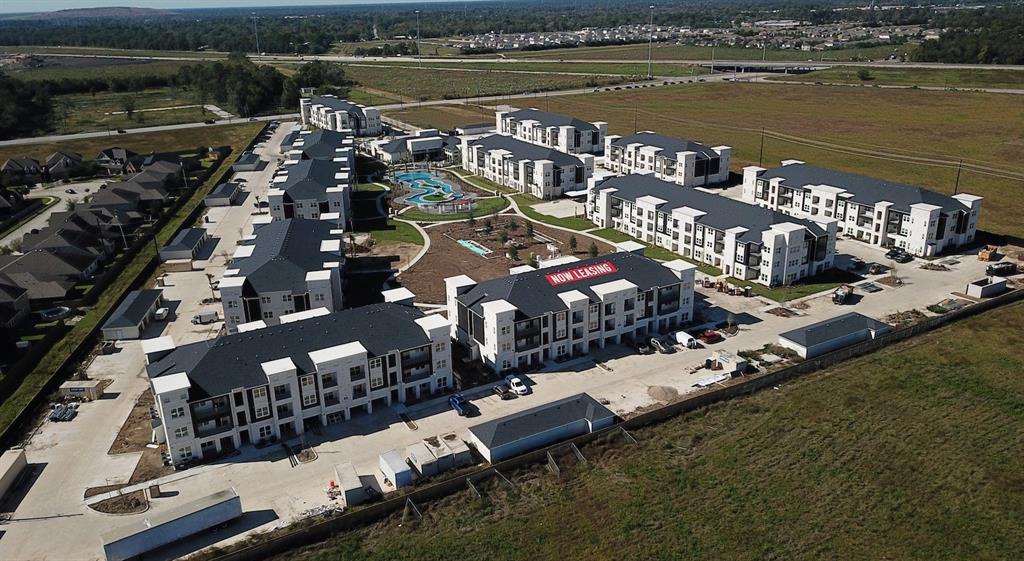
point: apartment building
(336, 114)
(320, 144)
(743, 240)
(525, 167)
(685, 162)
(565, 311)
(878, 212)
(423, 145)
(286, 266)
(310, 189)
(273, 383)
(558, 132)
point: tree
(529, 229)
(864, 75)
(503, 237)
(513, 253)
(592, 250)
(573, 243)
(488, 226)
(472, 219)
(512, 226)
(128, 106)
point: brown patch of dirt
(137, 430)
(447, 258)
(128, 503)
(663, 394)
(781, 312)
(93, 491)
(404, 250)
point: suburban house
(525, 319)
(114, 160)
(47, 276)
(558, 132)
(320, 144)
(685, 162)
(160, 161)
(11, 202)
(743, 240)
(109, 224)
(131, 317)
(129, 195)
(286, 266)
(275, 382)
(832, 334)
(539, 426)
(63, 165)
(20, 171)
(310, 189)
(525, 167)
(14, 303)
(335, 114)
(874, 211)
(423, 145)
(66, 239)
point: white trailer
(394, 468)
(461, 456)
(162, 528)
(12, 465)
(350, 486)
(445, 460)
(422, 459)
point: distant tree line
(403, 48)
(25, 108)
(987, 36)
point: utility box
(350, 486)
(394, 468)
(422, 459)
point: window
(443, 363)
(185, 452)
(356, 373)
(232, 304)
(439, 347)
(262, 412)
(442, 383)
(268, 315)
(306, 381)
(266, 431)
(181, 432)
(265, 299)
(506, 347)
(506, 330)
(309, 399)
(329, 379)
(259, 393)
(177, 412)
(287, 297)
(506, 364)
(318, 297)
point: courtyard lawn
(370, 187)
(397, 232)
(486, 206)
(480, 182)
(526, 203)
(814, 285)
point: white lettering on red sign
(581, 273)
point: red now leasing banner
(581, 273)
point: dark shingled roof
(524, 150)
(831, 329)
(338, 104)
(187, 239)
(224, 190)
(551, 119)
(320, 144)
(723, 212)
(309, 179)
(536, 420)
(531, 293)
(284, 251)
(220, 365)
(133, 309)
(669, 146)
(865, 190)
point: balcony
(413, 374)
(527, 343)
(217, 409)
(416, 357)
(214, 426)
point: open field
(164, 141)
(92, 51)
(102, 68)
(444, 117)
(623, 68)
(951, 78)
(908, 453)
(872, 131)
(667, 51)
(105, 110)
(433, 84)
(430, 48)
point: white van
(683, 338)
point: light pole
(650, 45)
(257, 33)
(419, 56)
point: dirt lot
(128, 503)
(133, 437)
(447, 258)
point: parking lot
(53, 520)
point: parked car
(122, 131)
(683, 338)
(502, 392)
(892, 253)
(710, 336)
(643, 348)
(203, 318)
(660, 346)
(903, 257)
(856, 263)
(69, 191)
(209, 121)
(515, 385)
(161, 314)
(462, 406)
(875, 269)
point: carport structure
(134, 313)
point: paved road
(41, 220)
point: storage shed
(225, 194)
(134, 313)
(539, 426)
(458, 450)
(423, 459)
(349, 484)
(164, 527)
(12, 465)
(88, 390)
(394, 468)
(185, 245)
(248, 161)
(826, 336)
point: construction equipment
(988, 253)
(842, 293)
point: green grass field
(485, 207)
(666, 51)
(74, 68)
(945, 78)
(397, 232)
(443, 117)
(105, 110)
(427, 83)
(862, 130)
(526, 202)
(141, 143)
(908, 453)
(621, 68)
(430, 48)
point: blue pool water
(424, 184)
(474, 247)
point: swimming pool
(427, 188)
(474, 247)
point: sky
(16, 6)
